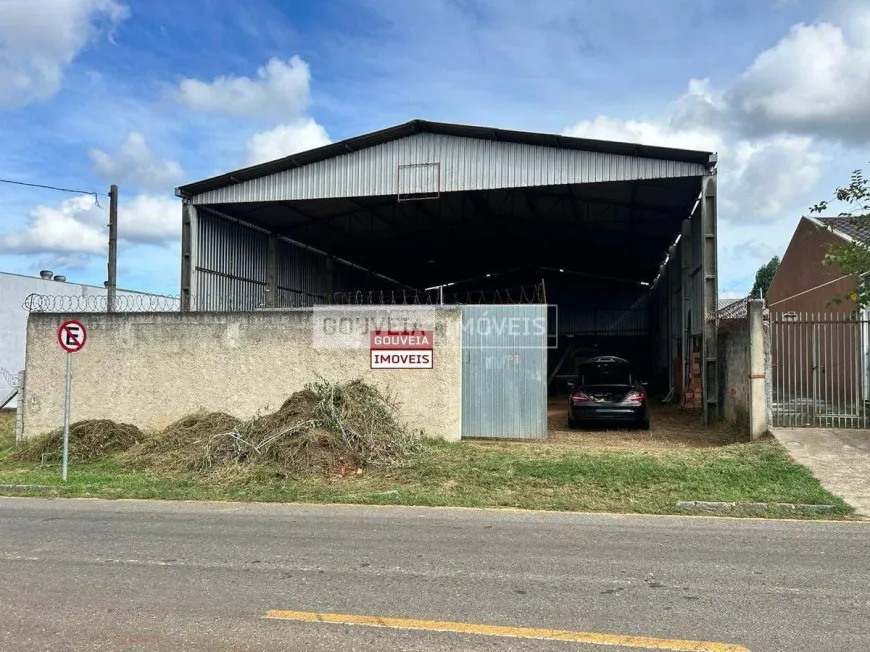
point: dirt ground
(670, 427)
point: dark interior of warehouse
(593, 250)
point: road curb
(730, 507)
(851, 520)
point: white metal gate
(504, 371)
(820, 370)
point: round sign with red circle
(72, 336)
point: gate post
(757, 369)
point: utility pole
(112, 283)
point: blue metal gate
(504, 371)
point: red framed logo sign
(72, 336)
(401, 349)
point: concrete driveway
(840, 459)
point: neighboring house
(820, 352)
(60, 296)
(803, 283)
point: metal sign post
(71, 336)
(66, 413)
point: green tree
(764, 277)
(852, 258)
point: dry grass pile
(325, 429)
(177, 448)
(88, 440)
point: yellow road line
(591, 638)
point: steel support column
(188, 253)
(709, 262)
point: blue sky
(152, 94)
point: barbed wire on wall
(59, 303)
(522, 295)
(126, 303)
(9, 378)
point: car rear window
(607, 374)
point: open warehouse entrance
(620, 237)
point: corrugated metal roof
(858, 230)
(480, 157)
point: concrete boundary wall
(744, 367)
(734, 379)
(150, 369)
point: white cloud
(658, 133)
(284, 140)
(39, 39)
(753, 250)
(149, 219)
(280, 91)
(769, 176)
(78, 226)
(758, 179)
(815, 80)
(69, 228)
(765, 182)
(136, 165)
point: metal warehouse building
(621, 237)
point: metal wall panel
(613, 312)
(230, 271)
(351, 279)
(669, 306)
(504, 365)
(465, 164)
(302, 276)
(604, 322)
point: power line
(95, 194)
(740, 282)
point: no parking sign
(71, 335)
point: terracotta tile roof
(733, 309)
(846, 226)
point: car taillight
(580, 397)
(634, 397)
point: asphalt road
(103, 575)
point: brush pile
(325, 429)
(88, 440)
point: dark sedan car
(607, 390)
